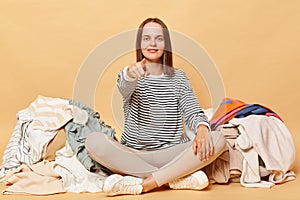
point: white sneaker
(195, 181)
(116, 185)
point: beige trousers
(164, 165)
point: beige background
(254, 44)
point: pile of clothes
(46, 152)
(260, 148)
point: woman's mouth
(152, 50)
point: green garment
(77, 134)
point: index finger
(144, 67)
(143, 64)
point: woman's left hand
(203, 145)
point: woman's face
(153, 43)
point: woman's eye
(146, 39)
(160, 39)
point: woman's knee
(95, 142)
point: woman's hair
(167, 58)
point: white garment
(38, 142)
(40, 122)
(273, 142)
(46, 115)
(23, 154)
(9, 159)
(209, 112)
(76, 178)
(250, 174)
(37, 125)
(80, 116)
(50, 114)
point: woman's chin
(153, 59)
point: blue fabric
(252, 109)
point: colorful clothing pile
(232, 108)
(259, 144)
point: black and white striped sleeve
(126, 85)
(189, 106)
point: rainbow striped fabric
(234, 108)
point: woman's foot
(195, 181)
(118, 185)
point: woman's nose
(153, 42)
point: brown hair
(167, 57)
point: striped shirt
(155, 108)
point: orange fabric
(225, 108)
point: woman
(157, 99)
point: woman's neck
(154, 68)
